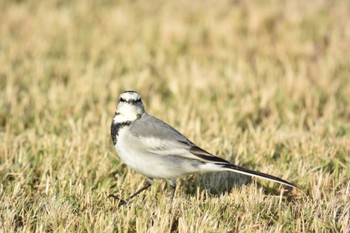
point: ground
(263, 84)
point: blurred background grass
(264, 84)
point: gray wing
(151, 127)
(160, 138)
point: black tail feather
(249, 172)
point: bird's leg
(173, 188)
(148, 184)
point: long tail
(210, 159)
(246, 171)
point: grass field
(263, 84)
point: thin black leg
(173, 188)
(148, 184)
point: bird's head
(130, 107)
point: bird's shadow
(214, 184)
(219, 183)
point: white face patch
(129, 108)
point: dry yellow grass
(263, 84)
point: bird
(156, 150)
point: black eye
(122, 100)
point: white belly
(149, 164)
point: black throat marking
(115, 128)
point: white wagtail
(156, 150)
